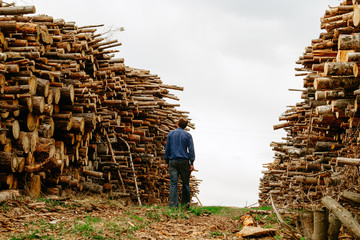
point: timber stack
(319, 158)
(74, 116)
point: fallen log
(342, 214)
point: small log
(334, 227)
(6, 181)
(35, 186)
(67, 95)
(38, 104)
(354, 197)
(349, 42)
(8, 195)
(348, 161)
(14, 126)
(8, 162)
(17, 10)
(338, 68)
(92, 187)
(46, 147)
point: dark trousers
(182, 168)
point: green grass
(34, 235)
(124, 225)
(53, 203)
(220, 211)
(176, 213)
(216, 234)
(87, 228)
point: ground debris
(96, 217)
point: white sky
(234, 58)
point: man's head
(182, 123)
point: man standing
(180, 156)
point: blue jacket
(179, 145)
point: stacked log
(320, 153)
(70, 109)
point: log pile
(317, 164)
(74, 116)
(322, 130)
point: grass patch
(176, 213)
(34, 235)
(216, 234)
(219, 210)
(88, 228)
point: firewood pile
(320, 154)
(74, 116)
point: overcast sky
(234, 58)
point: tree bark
(334, 227)
(8, 195)
(17, 10)
(342, 214)
(320, 225)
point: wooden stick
(113, 158)
(133, 168)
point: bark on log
(8, 162)
(334, 227)
(355, 197)
(320, 225)
(342, 214)
(348, 161)
(17, 10)
(349, 42)
(8, 195)
(35, 186)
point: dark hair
(183, 122)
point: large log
(342, 214)
(349, 42)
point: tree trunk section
(320, 225)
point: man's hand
(191, 168)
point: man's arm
(167, 150)
(191, 150)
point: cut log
(348, 161)
(307, 223)
(8, 162)
(349, 42)
(35, 186)
(92, 187)
(8, 195)
(351, 196)
(339, 68)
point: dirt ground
(89, 217)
